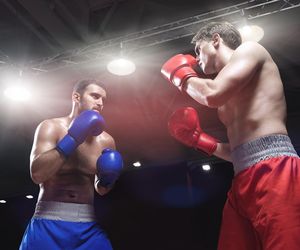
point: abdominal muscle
(68, 186)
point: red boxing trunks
(262, 211)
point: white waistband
(54, 210)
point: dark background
(170, 202)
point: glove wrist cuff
(182, 75)
(207, 144)
(66, 145)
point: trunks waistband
(250, 153)
(74, 212)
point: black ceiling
(50, 32)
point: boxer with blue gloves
(63, 162)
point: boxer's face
(205, 52)
(92, 98)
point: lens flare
(17, 93)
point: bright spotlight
(121, 67)
(17, 93)
(137, 164)
(251, 33)
(206, 167)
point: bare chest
(76, 166)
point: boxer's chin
(96, 110)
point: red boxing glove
(184, 126)
(179, 68)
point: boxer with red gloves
(247, 91)
(185, 127)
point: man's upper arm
(44, 139)
(109, 141)
(239, 71)
(113, 144)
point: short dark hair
(230, 35)
(81, 85)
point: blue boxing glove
(87, 123)
(109, 166)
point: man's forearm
(223, 151)
(196, 89)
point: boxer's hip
(252, 152)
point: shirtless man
(70, 157)
(262, 207)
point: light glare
(137, 164)
(206, 167)
(17, 93)
(251, 33)
(121, 67)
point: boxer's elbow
(101, 190)
(209, 94)
(217, 98)
(36, 177)
(36, 174)
(213, 100)
(206, 100)
(215, 94)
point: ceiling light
(251, 33)
(121, 67)
(29, 196)
(2, 201)
(17, 93)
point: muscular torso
(257, 109)
(74, 181)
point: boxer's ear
(216, 39)
(75, 97)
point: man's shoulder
(251, 47)
(106, 135)
(54, 122)
(252, 51)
